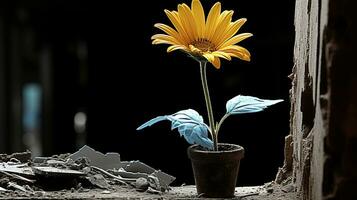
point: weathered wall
(340, 167)
(324, 101)
(306, 115)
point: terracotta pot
(216, 172)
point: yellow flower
(212, 38)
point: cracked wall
(322, 162)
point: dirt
(60, 177)
(273, 192)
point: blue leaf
(248, 104)
(152, 122)
(190, 125)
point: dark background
(100, 61)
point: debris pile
(80, 171)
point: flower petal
(224, 20)
(187, 21)
(176, 47)
(199, 15)
(175, 20)
(235, 40)
(209, 57)
(231, 30)
(168, 38)
(170, 31)
(239, 55)
(216, 63)
(212, 19)
(222, 54)
(237, 48)
(158, 41)
(195, 49)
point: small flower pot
(216, 172)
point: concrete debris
(116, 178)
(2, 189)
(52, 162)
(40, 159)
(108, 161)
(155, 183)
(78, 172)
(121, 172)
(21, 156)
(20, 169)
(99, 181)
(288, 188)
(153, 191)
(141, 184)
(17, 177)
(12, 185)
(105, 192)
(56, 172)
(14, 161)
(139, 167)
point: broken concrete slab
(139, 167)
(56, 172)
(110, 160)
(121, 172)
(2, 189)
(20, 169)
(132, 169)
(70, 171)
(17, 177)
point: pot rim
(194, 148)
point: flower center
(204, 45)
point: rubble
(110, 160)
(141, 184)
(78, 172)
(56, 172)
(21, 156)
(99, 181)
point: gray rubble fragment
(17, 177)
(15, 186)
(153, 191)
(2, 189)
(141, 184)
(54, 162)
(110, 160)
(124, 169)
(105, 192)
(56, 172)
(98, 180)
(139, 167)
(20, 169)
(121, 172)
(21, 156)
(155, 183)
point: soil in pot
(216, 172)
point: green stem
(220, 123)
(208, 104)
